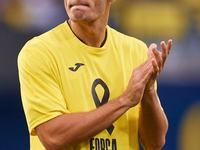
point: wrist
(150, 89)
(123, 100)
(149, 93)
(128, 100)
(149, 98)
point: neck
(91, 34)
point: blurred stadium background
(149, 20)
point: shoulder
(45, 43)
(128, 44)
(51, 37)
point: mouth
(78, 5)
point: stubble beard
(79, 15)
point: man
(86, 86)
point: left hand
(158, 60)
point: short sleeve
(40, 92)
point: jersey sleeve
(40, 92)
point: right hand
(140, 77)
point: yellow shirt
(60, 74)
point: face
(86, 10)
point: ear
(111, 0)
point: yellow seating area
(155, 19)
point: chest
(88, 80)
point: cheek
(66, 8)
(99, 8)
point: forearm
(153, 123)
(69, 129)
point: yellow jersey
(60, 74)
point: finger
(158, 58)
(169, 45)
(143, 71)
(149, 53)
(151, 72)
(144, 65)
(156, 70)
(164, 51)
(147, 76)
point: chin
(81, 17)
